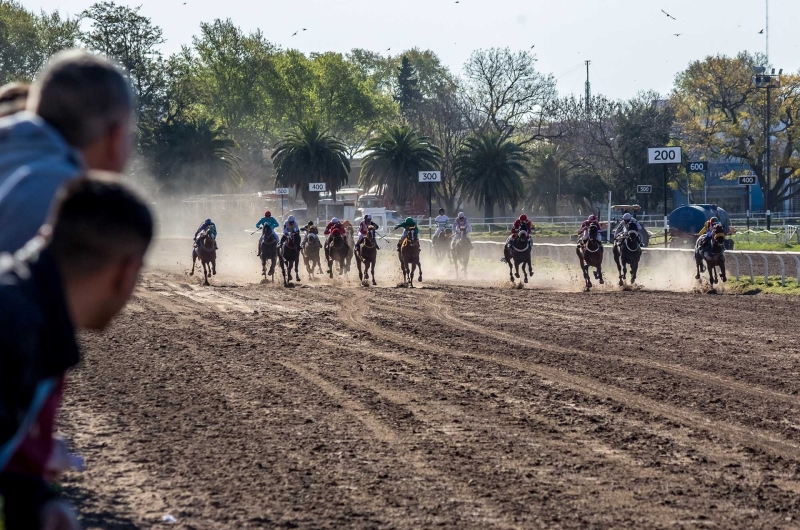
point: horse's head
(719, 238)
(448, 232)
(593, 230)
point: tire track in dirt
(741, 435)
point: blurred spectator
(78, 116)
(13, 98)
(76, 275)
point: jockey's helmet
(441, 211)
(334, 220)
(523, 218)
(409, 221)
(267, 214)
(207, 222)
(627, 217)
(290, 220)
(368, 217)
(712, 221)
(593, 217)
(461, 215)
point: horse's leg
(205, 274)
(624, 271)
(634, 268)
(698, 264)
(297, 267)
(372, 266)
(600, 272)
(419, 266)
(412, 272)
(722, 271)
(619, 267)
(509, 261)
(194, 261)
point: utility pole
(767, 81)
(767, 32)
(588, 90)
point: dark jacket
(37, 347)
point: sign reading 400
(663, 155)
(430, 176)
(317, 186)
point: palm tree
(490, 170)
(310, 154)
(197, 152)
(393, 161)
(549, 176)
(553, 178)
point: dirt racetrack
(452, 406)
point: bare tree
(504, 92)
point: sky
(630, 43)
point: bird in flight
(304, 29)
(761, 32)
(388, 49)
(532, 47)
(677, 34)
(670, 16)
(293, 34)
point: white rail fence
(558, 253)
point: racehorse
(351, 244)
(204, 249)
(368, 255)
(337, 251)
(713, 253)
(268, 250)
(460, 248)
(409, 258)
(441, 244)
(628, 251)
(520, 254)
(590, 254)
(311, 253)
(290, 256)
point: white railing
(557, 252)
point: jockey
(408, 226)
(584, 229)
(334, 227)
(462, 228)
(628, 222)
(308, 229)
(363, 229)
(290, 228)
(708, 230)
(441, 223)
(521, 223)
(266, 220)
(212, 231)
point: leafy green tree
(132, 39)
(27, 40)
(196, 154)
(346, 100)
(393, 161)
(722, 115)
(490, 170)
(307, 154)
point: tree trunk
(488, 210)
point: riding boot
(357, 247)
(377, 246)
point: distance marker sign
(663, 155)
(317, 186)
(697, 167)
(430, 176)
(644, 188)
(281, 191)
(749, 180)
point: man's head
(13, 98)
(99, 233)
(88, 100)
(441, 211)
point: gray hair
(82, 96)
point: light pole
(767, 81)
